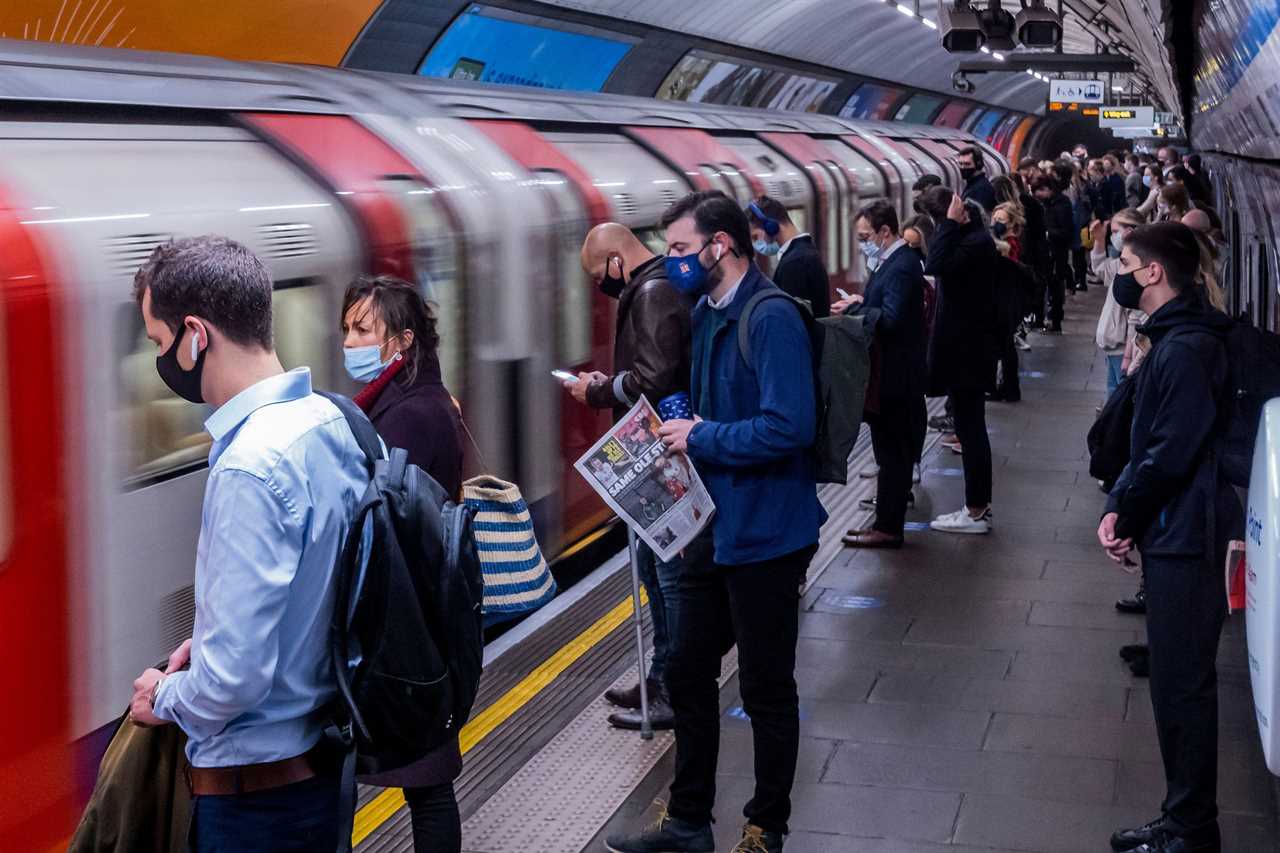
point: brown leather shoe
(872, 539)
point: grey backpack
(842, 365)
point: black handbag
(1109, 436)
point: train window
(165, 434)
(573, 323)
(848, 207)
(717, 179)
(438, 263)
(741, 186)
(799, 218)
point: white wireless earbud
(195, 346)
(718, 250)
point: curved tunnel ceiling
(870, 37)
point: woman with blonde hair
(1116, 325)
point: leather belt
(249, 778)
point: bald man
(1197, 220)
(650, 358)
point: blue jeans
(661, 581)
(1115, 373)
(297, 818)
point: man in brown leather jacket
(650, 358)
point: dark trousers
(1044, 273)
(919, 426)
(1058, 284)
(758, 606)
(971, 428)
(1009, 387)
(301, 818)
(893, 439)
(437, 826)
(660, 582)
(1185, 611)
(1079, 266)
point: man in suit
(800, 270)
(897, 289)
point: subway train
(480, 195)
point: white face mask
(1117, 240)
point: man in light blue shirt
(285, 477)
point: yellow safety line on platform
(382, 807)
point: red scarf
(370, 393)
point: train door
(941, 161)
(897, 172)
(708, 161)
(867, 181)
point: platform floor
(965, 694)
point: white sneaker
(961, 521)
(915, 473)
(870, 473)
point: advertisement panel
(705, 78)
(496, 46)
(870, 101)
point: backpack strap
(366, 436)
(744, 322)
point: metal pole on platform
(646, 728)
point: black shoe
(668, 835)
(629, 698)
(1206, 840)
(1141, 666)
(1127, 839)
(1132, 653)
(757, 840)
(1054, 329)
(942, 423)
(661, 717)
(1136, 605)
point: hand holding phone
(843, 294)
(564, 376)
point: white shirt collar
(893, 247)
(727, 299)
(782, 250)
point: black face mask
(1127, 291)
(999, 229)
(967, 172)
(612, 286)
(184, 383)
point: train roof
(47, 73)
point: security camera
(962, 84)
(961, 31)
(1036, 26)
(997, 26)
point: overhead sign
(1076, 91)
(1081, 109)
(1127, 117)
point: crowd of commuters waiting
(954, 290)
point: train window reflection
(164, 435)
(573, 298)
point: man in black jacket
(896, 289)
(962, 354)
(650, 358)
(800, 270)
(1172, 504)
(977, 187)
(1059, 224)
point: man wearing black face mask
(1173, 505)
(650, 358)
(977, 187)
(285, 478)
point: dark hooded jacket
(965, 341)
(1171, 498)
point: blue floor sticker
(916, 525)
(1033, 374)
(854, 602)
(947, 472)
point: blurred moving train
(480, 195)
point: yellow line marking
(387, 803)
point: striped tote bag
(516, 576)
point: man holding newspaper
(650, 360)
(750, 441)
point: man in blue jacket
(751, 442)
(896, 289)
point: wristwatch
(155, 688)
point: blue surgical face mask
(365, 364)
(768, 249)
(1146, 181)
(870, 250)
(687, 274)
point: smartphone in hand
(843, 295)
(564, 375)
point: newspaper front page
(659, 494)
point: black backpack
(1110, 436)
(1253, 378)
(415, 620)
